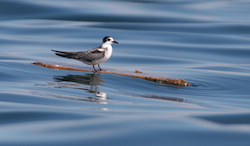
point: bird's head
(109, 40)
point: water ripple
(204, 42)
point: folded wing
(91, 55)
(66, 54)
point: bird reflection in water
(91, 80)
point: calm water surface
(206, 43)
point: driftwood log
(180, 82)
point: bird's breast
(108, 52)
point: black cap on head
(108, 38)
(105, 39)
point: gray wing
(66, 54)
(91, 55)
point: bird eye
(108, 39)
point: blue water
(207, 43)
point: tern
(94, 56)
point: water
(204, 42)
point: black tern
(94, 56)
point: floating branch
(181, 82)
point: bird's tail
(66, 54)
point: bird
(93, 56)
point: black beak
(115, 42)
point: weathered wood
(180, 82)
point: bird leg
(94, 67)
(100, 67)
